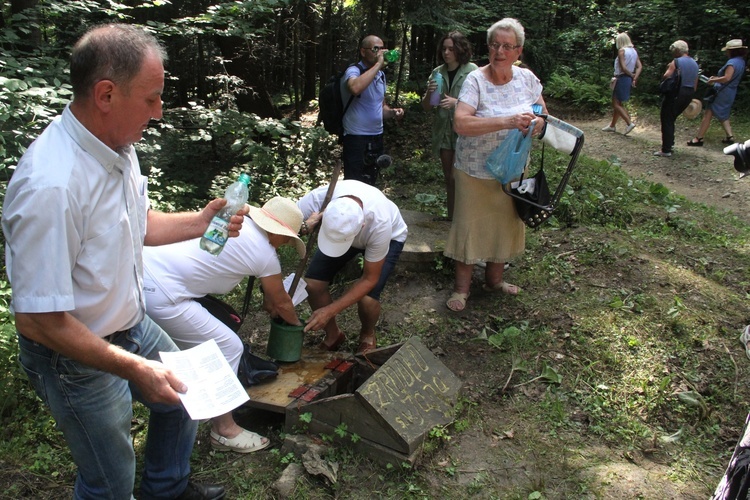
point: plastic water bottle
(216, 235)
(391, 55)
(435, 97)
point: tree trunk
(239, 62)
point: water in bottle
(216, 235)
(435, 97)
(391, 55)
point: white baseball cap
(342, 221)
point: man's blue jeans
(94, 409)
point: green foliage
(594, 96)
(281, 156)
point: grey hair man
(85, 341)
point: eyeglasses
(375, 49)
(505, 46)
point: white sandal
(244, 442)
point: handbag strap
(541, 167)
(248, 296)
(739, 74)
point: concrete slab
(426, 240)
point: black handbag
(671, 84)
(533, 207)
(253, 369)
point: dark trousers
(672, 105)
(359, 156)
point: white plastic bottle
(216, 235)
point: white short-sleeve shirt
(490, 100)
(184, 271)
(74, 219)
(383, 221)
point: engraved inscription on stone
(413, 391)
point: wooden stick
(314, 233)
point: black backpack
(332, 108)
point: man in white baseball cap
(358, 220)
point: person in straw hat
(177, 274)
(725, 83)
(673, 103)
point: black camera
(741, 153)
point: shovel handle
(314, 233)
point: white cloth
(490, 100)
(179, 272)
(383, 221)
(74, 219)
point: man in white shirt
(358, 220)
(75, 219)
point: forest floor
(506, 450)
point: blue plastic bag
(507, 161)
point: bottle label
(218, 231)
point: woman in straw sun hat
(725, 82)
(176, 274)
(673, 103)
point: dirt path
(703, 175)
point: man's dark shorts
(324, 268)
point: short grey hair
(680, 46)
(507, 24)
(111, 52)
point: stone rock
(286, 484)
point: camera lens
(740, 153)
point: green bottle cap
(245, 178)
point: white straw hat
(694, 109)
(735, 43)
(342, 221)
(280, 216)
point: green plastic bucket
(285, 342)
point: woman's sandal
(502, 286)
(728, 140)
(244, 442)
(457, 301)
(697, 141)
(336, 343)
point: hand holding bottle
(219, 230)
